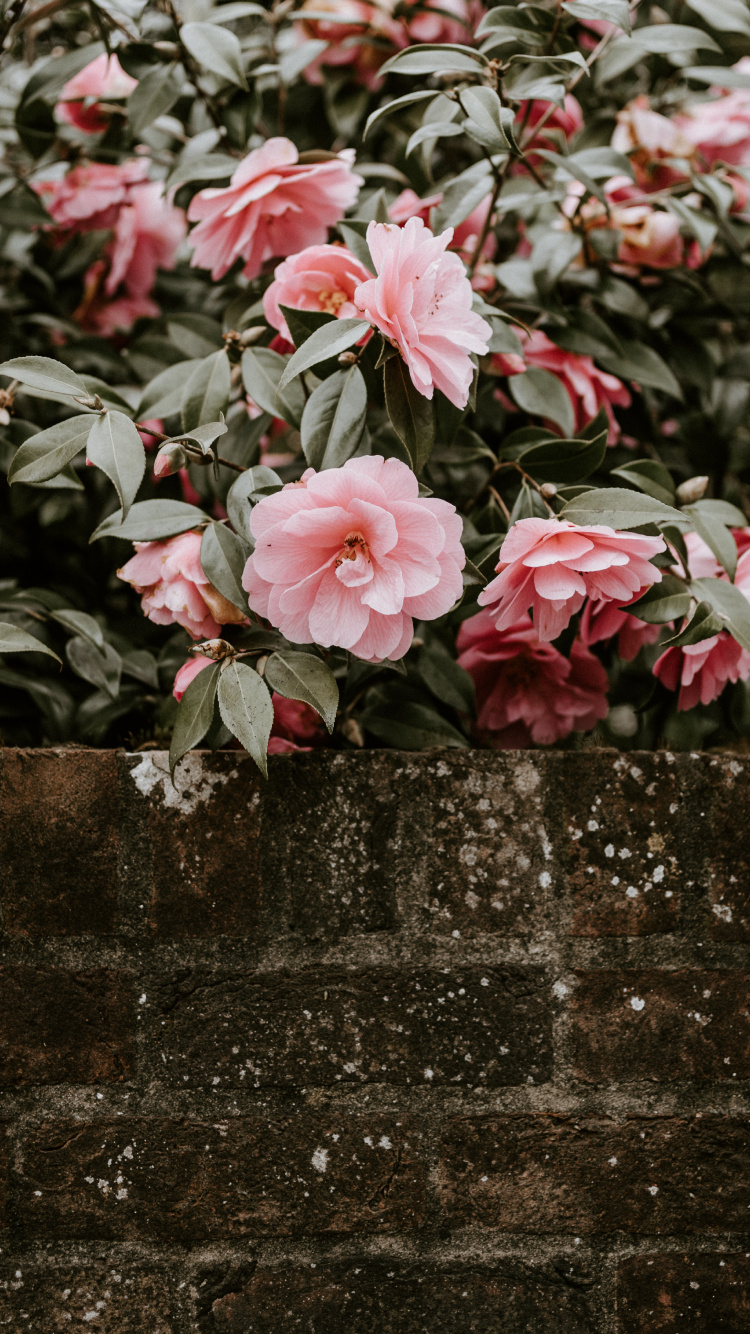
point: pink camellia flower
(438, 21)
(551, 565)
(151, 441)
(526, 689)
(174, 588)
(566, 120)
(603, 620)
(322, 277)
(349, 556)
(652, 142)
(273, 205)
(88, 197)
(421, 301)
(360, 36)
(465, 235)
(651, 237)
(103, 80)
(589, 389)
(719, 129)
(702, 670)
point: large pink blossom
(421, 301)
(349, 556)
(80, 100)
(360, 36)
(653, 143)
(321, 277)
(650, 237)
(273, 205)
(174, 589)
(719, 129)
(88, 198)
(465, 236)
(589, 389)
(527, 690)
(438, 21)
(602, 620)
(551, 565)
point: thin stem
(498, 498)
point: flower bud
(691, 490)
(216, 649)
(348, 359)
(548, 491)
(353, 732)
(169, 460)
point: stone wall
(455, 1043)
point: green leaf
(642, 364)
(115, 446)
(607, 11)
(302, 323)
(650, 476)
(489, 123)
(716, 536)
(154, 95)
(79, 623)
(541, 394)
(305, 676)
(245, 492)
(207, 390)
(448, 682)
(329, 341)
(553, 254)
(45, 454)
(663, 602)
(195, 714)
(724, 76)
(297, 59)
(618, 509)
(215, 49)
(204, 436)
(262, 370)
(565, 460)
(411, 414)
(721, 511)
(334, 419)
(410, 726)
(151, 521)
(429, 58)
(703, 228)
(223, 559)
(246, 709)
(731, 605)
(445, 129)
(667, 39)
(202, 167)
(163, 396)
(15, 640)
(100, 667)
(142, 666)
(462, 194)
(723, 15)
(51, 377)
(396, 105)
(194, 335)
(703, 624)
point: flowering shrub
(396, 357)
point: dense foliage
(409, 343)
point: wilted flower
(174, 588)
(273, 205)
(526, 689)
(349, 556)
(421, 302)
(551, 565)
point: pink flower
(527, 690)
(187, 673)
(650, 141)
(589, 389)
(551, 565)
(273, 205)
(362, 43)
(566, 120)
(294, 722)
(702, 670)
(421, 302)
(156, 424)
(603, 620)
(651, 238)
(87, 199)
(348, 557)
(438, 21)
(465, 235)
(79, 100)
(322, 277)
(720, 129)
(174, 588)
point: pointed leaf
(51, 377)
(115, 446)
(163, 396)
(207, 390)
(305, 676)
(412, 415)
(703, 624)
(663, 602)
(79, 623)
(195, 714)
(618, 508)
(151, 521)
(246, 709)
(223, 559)
(45, 455)
(731, 605)
(541, 394)
(154, 95)
(215, 49)
(15, 640)
(334, 418)
(262, 370)
(100, 667)
(329, 341)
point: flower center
(331, 300)
(354, 545)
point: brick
(391, 1298)
(336, 877)
(646, 1175)
(626, 842)
(245, 1177)
(684, 1294)
(119, 1298)
(59, 1027)
(205, 835)
(649, 1023)
(479, 857)
(58, 842)
(488, 1027)
(721, 805)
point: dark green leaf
(716, 536)
(703, 624)
(334, 418)
(261, 372)
(151, 521)
(329, 341)
(48, 452)
(79, 623)
(648, 476)
(305, 676)
(215, 49)
(412, 727)
(663, 602)
(603, 11)
(731, 605)
(540, 393)
(427, 58)
(223, 559)
(644, 365)
(195, 714)
(155, 94)
(396, 105)
(246, 709)
(245, 492)
(565, 460)
(115, 446)
(100, 667)
(618, 509)
(15, 640)
(42, 373)
(412, 415)
(207, 390)
(446, 680)
(163, 396)
(302, 323)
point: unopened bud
(353, 732)
(348, 359)
(169, 460)
(251, 335)
(215, 649)
(691, 490)
(548, 490)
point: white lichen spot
(722, 911)
(429, 1074)
(560, 990)
(384, 1142)
(545, 879)
(658, 875)
(592, 826)
(194, 784)
(320, 1160)
(609, 851)
(624, 853)
(653, 1190)
(636, 1003)
(631, 892)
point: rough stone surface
(451, 1043)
